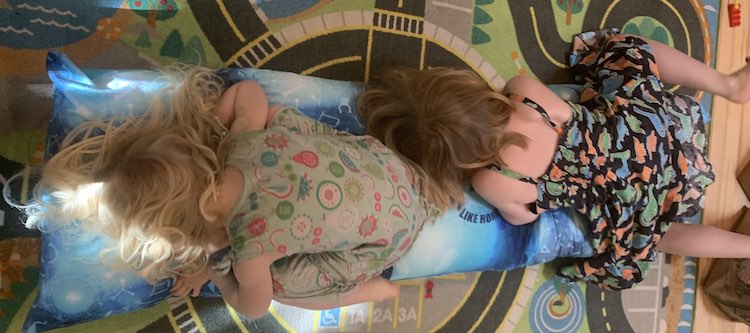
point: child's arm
(250, 289)
(376, 289)
(185, 285)
(244, 107)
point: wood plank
(729, 151)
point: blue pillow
(75, 286)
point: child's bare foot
(739, 84)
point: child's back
(341, 207)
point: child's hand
(185, 284)
(272, 111)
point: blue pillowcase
(76, 286)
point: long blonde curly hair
(144, 180)
(447, 123)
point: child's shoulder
(520, 83)
(541, 95)
(530, 88)
(228, 193)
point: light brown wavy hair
(446, 122)
(144, 180)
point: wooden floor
(729, 151)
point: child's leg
(374, 290)
(704, 241)
(678, 68)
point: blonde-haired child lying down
(312, 216)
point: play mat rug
(344, 40)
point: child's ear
(210, 208)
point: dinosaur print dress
(632, 158)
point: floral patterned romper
(343, 208)
(632, 158)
